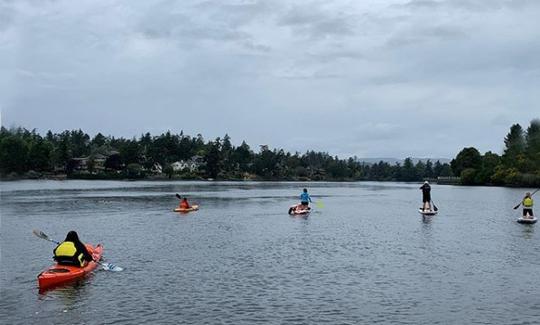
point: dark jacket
(80, 249)
(426, 192)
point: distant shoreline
(164, 178)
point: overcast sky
(370, 78)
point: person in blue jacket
(305, 198)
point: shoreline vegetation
(26, 154)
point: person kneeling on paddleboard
(72, 251)
(426, 196)
(304, 200)
(527, 206)
(184, 204)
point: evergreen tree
(408, 171)
(13, 154)
(514, 145)
(533, 146)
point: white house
(192, 164)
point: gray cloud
(315, 22)
(471, 5)
(367, 78)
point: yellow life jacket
(528, 202)
(66, 253)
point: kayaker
(184, 204)
(527, 206)
(72, 251)
(426, 196)
(305, 199)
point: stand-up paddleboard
(192, 208)
(427, 212)
(527, 221)
(298, 212)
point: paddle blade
(435, 208)
(40, 234)
(111, 267)
(178, 196)
(319, 204)
(517, 206)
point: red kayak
(59, 274)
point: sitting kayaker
(527, 206)
(305, 199)
(184, 204)
(72, 251)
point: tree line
(25, 152)
(519, 164)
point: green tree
(130, 152)
(533, 146)
(420, 170)
(13, 155)
(99, 140)
(39, 155)
(446, 171)
(409, 172)
(134, 170)
(428, 173)
(80, 143)
(213, 159)
(243, 156)
(468, 176)
(490, 161)
(466, 158)
(514, 145)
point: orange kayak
(60, 274)
(192, 208)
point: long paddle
(434, 206)
(106, 266)
(517, 206)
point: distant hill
(393, 161)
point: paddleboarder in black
(426, 196)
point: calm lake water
(366, 257)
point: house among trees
(94, 163)
(156, 169)
(193, 164)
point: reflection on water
(367, 256)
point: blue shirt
(304, 197)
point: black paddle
(178, 196)
(106, 266)
(434, 206)
(517, 206)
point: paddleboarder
(305, 199)
(527, 203)
(426, 196)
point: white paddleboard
(528, 221)
(427, 212)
